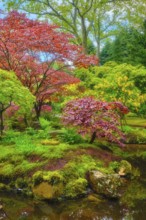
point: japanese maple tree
(40, 54)
(96, 118)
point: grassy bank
(61, 156)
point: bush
(45, 124)
(31, 131)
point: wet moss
(47, 191)
(51, 177)
(7, 170)
(76, 188)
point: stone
(47, 191)
(108, 185)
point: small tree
(13, 92)
(97, 118)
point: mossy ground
(24, 154)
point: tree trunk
(36, 122)
(84, 35)
(93, 137)
(25, 121)
(37, 110)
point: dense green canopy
(12, 92)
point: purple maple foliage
(97, 118)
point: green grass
(136, 121)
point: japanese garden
(72, 110)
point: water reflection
(19, 208)
(131, 207)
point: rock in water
(108, 185)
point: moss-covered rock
(105, 184)
(76, 188)
(47, 191)
(48, 185)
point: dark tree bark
(93, 137)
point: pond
(131, 207)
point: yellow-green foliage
(74, 91)
(117, 82)
(11, 90)
(120, 88)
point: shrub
(45, 124)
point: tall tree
(85, 19)
(129, 46)
(40, 55)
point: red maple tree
(97, 118)
(40, 55)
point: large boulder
(108, 185)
